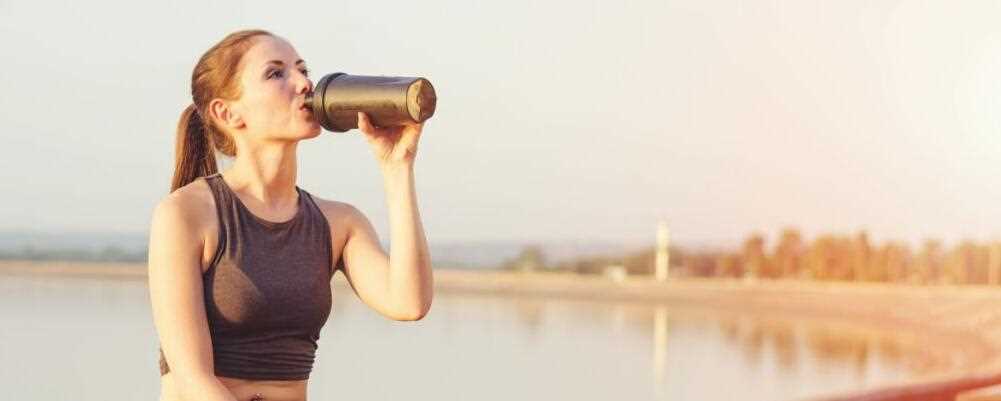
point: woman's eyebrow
(282, 63)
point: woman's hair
(198, 138)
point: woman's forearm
(410, 278)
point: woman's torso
(247, 389)
(242, 389)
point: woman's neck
(267, 173)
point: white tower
(663, 257)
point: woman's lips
(307, 113)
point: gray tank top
(267, 292)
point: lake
(92, 339)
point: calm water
(91, 339)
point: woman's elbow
(412, 314)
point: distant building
(663, 257)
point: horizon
(98, 239)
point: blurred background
(622, 162)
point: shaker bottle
(388, 101)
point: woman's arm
(398, 286)
(175, 285)
(410, 279)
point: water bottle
(388, 101)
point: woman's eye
(275, 74)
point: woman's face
(274, 84)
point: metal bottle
(388, 101)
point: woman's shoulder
(181, 225)
(337, 212)
(192, 203)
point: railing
(990, 393)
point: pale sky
(555, 120)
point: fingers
(364, 124)
(394, 133)
(418, 128)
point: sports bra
(267, 291)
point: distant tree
(728, 265)
(640, 262)
(861, 260)
(994, 264)
(753, 255)
(788, 255)
(955, 267)
(829, 258)
(929, 262)
(531, 258)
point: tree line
(828, 257)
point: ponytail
(198, 139)
(194, 154)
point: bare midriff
(243, 389)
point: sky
(557, 120)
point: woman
(240, 261)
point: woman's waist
(265, 390)
(244, 389)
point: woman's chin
(313, 132)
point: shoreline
(963, 321)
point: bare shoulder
(340, 214)
(184, 225)
(341, 217)
(193, 204)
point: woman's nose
(304, 84)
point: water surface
(88, 339)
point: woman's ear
(225, 114)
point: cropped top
(267, 292)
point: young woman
(240, 261)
